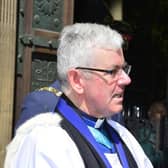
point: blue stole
(69, 113)
(119, 147)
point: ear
(75, 80)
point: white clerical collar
(99, 122)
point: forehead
(108, 57)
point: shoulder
(42, 120)
(42, 94)
(42, 137)
(46, 94)
(40, 132)
(38, 101)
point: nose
(124, 79)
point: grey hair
(77, 43)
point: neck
(79, 102)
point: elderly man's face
(104, 92)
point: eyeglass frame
(126, 68)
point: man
(93, 75)
(45, 99)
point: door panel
(43, 70)
(39, 24)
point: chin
(118, 109)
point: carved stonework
(47, 14)
(43, 73)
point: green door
(39, 24)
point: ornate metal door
(39, 24)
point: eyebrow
(118, 66)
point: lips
(118, 95)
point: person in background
(93, 75)
(149, 135)
(157, 111)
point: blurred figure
(156, 111)
(150, 134)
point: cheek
(96, 91)
(100, 91)
(104, 95)
(103, 90)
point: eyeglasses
(116, 71)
